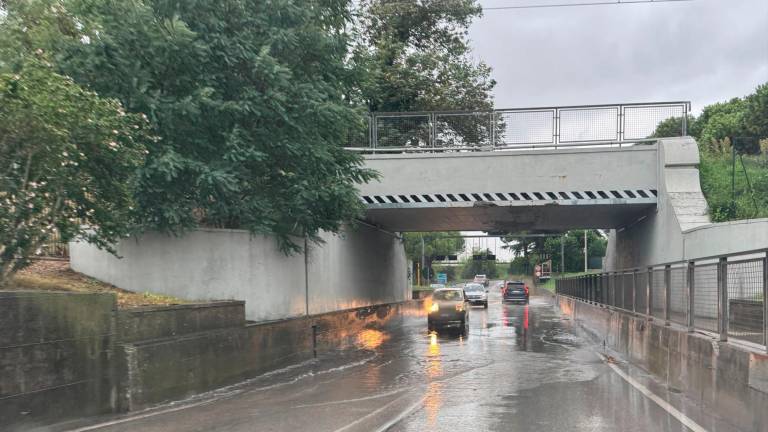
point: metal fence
(723, 294)
(547, 127)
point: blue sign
(442, 278)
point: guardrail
(522, 128)
(724, 295)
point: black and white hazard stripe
(628, 196)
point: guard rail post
(649, 294)
(722, 298)
(690, 297)
(667, 293)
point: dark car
(476, 294)
(448, 309)
(514, 291)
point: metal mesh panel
(627, 288)
(745, 300)
(641, 280)
(657, 296)
(525, 127)
(403, 131)
(677, 288)
(463, 130)
(589, 124)
(359, 135)
(643, 121)
(705, 297)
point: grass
(715, 171)
(47, 275)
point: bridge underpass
(519, 367)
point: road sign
(442, 278)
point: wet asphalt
(519, 368)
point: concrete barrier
(725, 378)
(57, 357)
(173, 368)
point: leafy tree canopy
(247, 99)
(67, 158)
(414, 55)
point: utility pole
(585, 251)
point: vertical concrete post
(722, 298)
(649, 295)
(765, 300)
(689, 298)
(667, 293)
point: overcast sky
(703, 51)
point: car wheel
(485, 305)
(430, 326)
(526, 301)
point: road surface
(520, 368)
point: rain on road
(519, 368)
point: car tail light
(526, 290)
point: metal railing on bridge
(724, 295)
(523, 128)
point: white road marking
(682, 418)
(142, 416)
(387, 405)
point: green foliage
(470, 267)
(533, 250)
(716, 171)
(414, 55)
(69, 159)
(248, 99)
(435, 243)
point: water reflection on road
(519, 367)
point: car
(476, 294)
(515, 291)
(481, 279)
(448, 309)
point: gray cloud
(703, 51)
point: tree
(435, 243)
(248, 100)
(69, 160)
(415, 56)
(472, 267)
(755, 117)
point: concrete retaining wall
(66, 356)
(725, 378)
(57, 357)
(362, 266)
(174, 368)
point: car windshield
(474, 287)
(515, 285)
(447, 295)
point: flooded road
(519, 368)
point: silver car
(476, 294)
(448, 309)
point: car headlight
(460, 307)
(434, 307)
